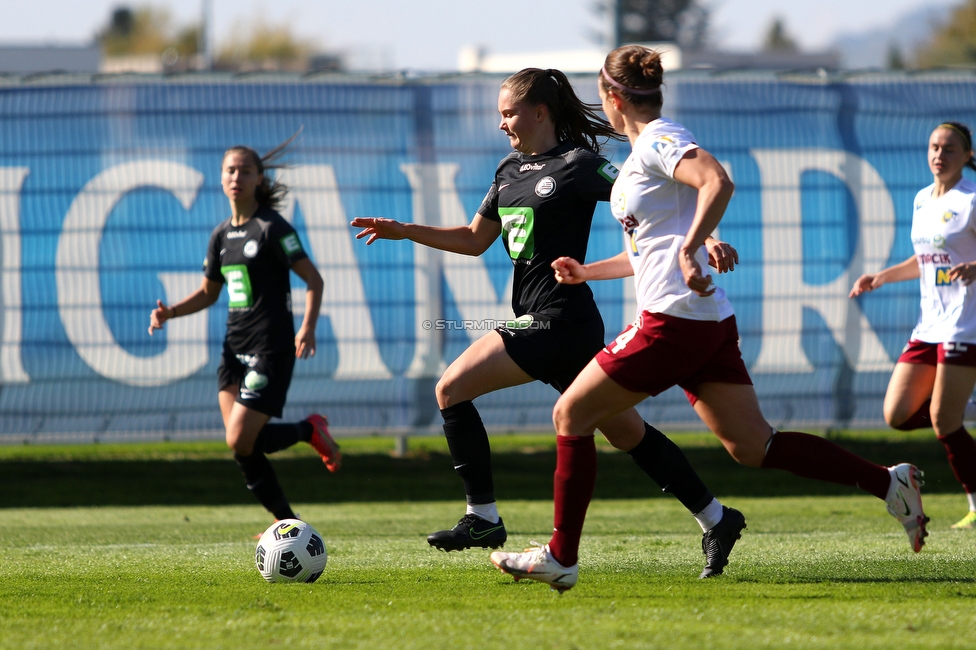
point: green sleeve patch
(291, 244)
(608, 171)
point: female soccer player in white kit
(934, 378)
(669, 196)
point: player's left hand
(721, 256)
(693, 274)
(304, 343)
(965, 273)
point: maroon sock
(921, 419)
(961, 450)
(572, 490)
(813, 457)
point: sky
(428, 35)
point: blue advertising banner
(109, 191)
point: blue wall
(108, 193)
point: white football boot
(537, 563)
(905, 502)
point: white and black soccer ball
(290, 551)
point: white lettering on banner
(316, 189)
(436, 203)
(785, 294)
(79, 293)
(12, 321)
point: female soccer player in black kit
(542, 201)
(253, 252)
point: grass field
(149, 546)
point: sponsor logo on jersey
(532, 167)
(918, 204)
(934, 258)
(939, 242)
(608, 171)
(250, 248)
(942, 276)
(546, 186)
(503, 186)
(629, 222)
(948, 216)
(518, 225)
(291, 244)
(238, 286)
(236, 234)
(918, 241)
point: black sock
(263, 484)
(667, 466)
(468, 442)
(280, 435)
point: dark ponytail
(269, 193)
(575, 120)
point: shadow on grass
(379, 477)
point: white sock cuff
(487, 511)
(709, 517)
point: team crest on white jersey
(663, 144)
(250, 248)
(948, 216)
(546, 186)
(618, 202)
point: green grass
(166, 558)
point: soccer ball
(290, 551)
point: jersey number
(625, 337)
(238, 285)
(518, 224)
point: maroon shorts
(931, 354)
(659, 351)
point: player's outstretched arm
(473, 239)
(200, 299)
(907, 270)
(570, 271)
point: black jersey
(254, 261)
(545, 205)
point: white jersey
(944, 235)
(656, 212)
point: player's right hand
(158, 316)
(377, 228)
(865, 283)
(568, 270)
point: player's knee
(749, 453)
(562, 418)
(945, 422)
(238, 444)
(444, 394)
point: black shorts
(553, 350)
(262, 379)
